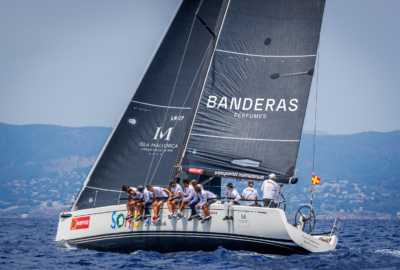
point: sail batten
(246, 139)
(278, 56)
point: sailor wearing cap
(174, 198)
(189, 195)
(270, 189)
(196, 184)
(250, 194)
(234, 199)
(148, 199)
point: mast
(182, 148)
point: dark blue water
(29, 243)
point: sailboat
(224, 96)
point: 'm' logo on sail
(159, 134)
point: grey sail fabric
(251, 111)
(144, 145)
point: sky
(76, 63)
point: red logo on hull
(198, 171)
(80, 223)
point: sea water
(363, 244)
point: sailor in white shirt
(250, 194)
(206, 198)
(189, 195)
(234, 199)
(138, 198)
(134, 201)
(270, 190)
(161, 195)
(148, 199)
(177, 194)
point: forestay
(251, 112)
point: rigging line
(191, 87)
(103, 189)
(154, 105)
(315, 119)
(173, 89)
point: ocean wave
(361, 246)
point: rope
(315, 118)
(315, 122)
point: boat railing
(335, 227)
(69, 202)
(280, 201)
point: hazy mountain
(41, 164)
(318, 132)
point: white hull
(263, 230)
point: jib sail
(251, 111)
(144, 144)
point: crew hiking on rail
(195, 197)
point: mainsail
(250, 115)
(143, 146)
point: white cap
(272, 176)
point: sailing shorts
(177, 200)
(211, 201)
(269, 203)
(163, 199)
(186, 200)
(254, 205)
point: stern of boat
(314, 242)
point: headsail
(251, 112)
(144, 144)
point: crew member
(161, 195)
(138, 198)
(234, 199)
(196, 184)
(193, 203)
(130, 205)
(189, 195)
(148, 199)
(177, 194)
(206, 198)
(270, 189)
(250, 194)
